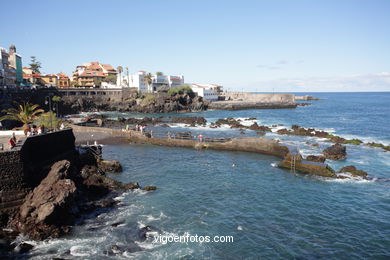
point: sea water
(270, 212)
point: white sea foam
(274, 164)
(81, 251)
(239, 228)
(349, 179)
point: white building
(207, 91)
(157, 82)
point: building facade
(91, 74)
(63, 81)
(49, 80)
(207, 91)
(9, 73)
(144, 84)
(15, 61)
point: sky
(244, 45)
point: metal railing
(185, 136)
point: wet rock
(117, 223)
(251, 118)
(233, 123)
(262, 128)
(189, 120)
(314, 158)
(110, 166)
(100, 185)
(23, 248)
(164, 125)
(335, 152)
(149, 188)
(89, 170)
(48, 208)
(142, 233)
(283, 131)
(378, 145)
(260, 133)
(353, 171)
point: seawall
(242, 144)
(243, 100)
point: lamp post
(48, 102)
(55, 108)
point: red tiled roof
(62, 75)
(94, 66)
(89, 73)
(108, 67)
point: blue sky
(243, 45)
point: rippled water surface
(270, 212)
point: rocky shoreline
(71, 190)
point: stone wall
(23, 169)
(262, 98)
(242, 100)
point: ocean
(267, 212)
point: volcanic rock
(149, 188)
(48, 208)
(315, 158)
(353, 171)
(335, 152)
(110, 166)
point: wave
(81, 251)
(348, 178)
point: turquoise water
(271, 213)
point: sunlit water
(270, 212)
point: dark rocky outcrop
(353, 171)
(46, 211)
(62, 196)
(149, 188)
(110, 166)
(262, 128)
(335, 152)
(189, 120)
(315, 158)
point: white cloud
(366, 82)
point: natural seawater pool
(270, 212)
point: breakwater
(242, 144)
(243, 100)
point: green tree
(35, 65)
(25, 113)
(110, 79)
(184, 89)
(159, 73)
(56, 98)
(48, 120)
(97, 82)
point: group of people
(34, 130)
(140, 128)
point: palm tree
(25, 113)
(120, 70)
(159, 73)
(148, 80)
